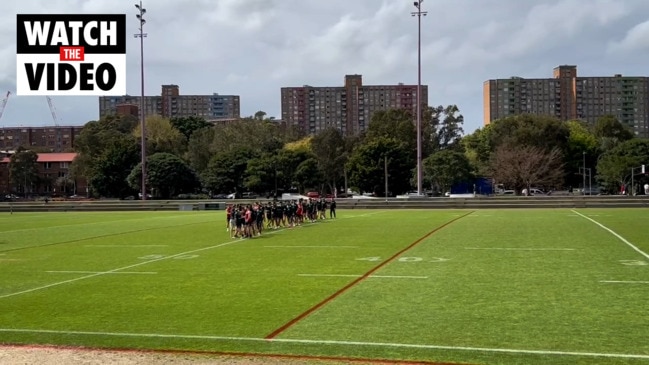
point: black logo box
(22, 45)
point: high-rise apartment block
(347, 108)
(170, 103)
(52, 138)
(569, 97)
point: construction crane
(52, 110)
(4, 103)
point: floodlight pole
(141, 35)
(419, 13)
(584, 174)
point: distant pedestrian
(646, 189)
(332, 209)
(570, 191)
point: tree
(446, 168)
(23, 169)
(226, 171)
(200, 149)
(393, 123)
(582, 144)
(264, 136)
(611, 132)
(442, 129)
(167, 176)
(540, 131)
(112, 168)
(95, 137)
(366, 166)
(614, 168)
(188, 125)
(328, 146)
(261, 174)
(308, 174)
(161, 136)
(478, 149)
(523, 167)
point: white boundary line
(127, 267)
(614, 234)
(371, 276)
(103, 272)
(311, 246)
(114, 270)
(519, 249)
(333, 342)
(624, 282)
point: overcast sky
(252, 48)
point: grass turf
(492, 287)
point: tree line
(188, 156)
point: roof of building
(50, 157)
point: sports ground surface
(475, 287)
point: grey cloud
(254, 47)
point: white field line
(115, 270)
(334, 343)
(126, 267)
(614, 234)
(519, 249)
(624, 282)
(311, 246)
(371, 276)
(104, 272)
(126, 246)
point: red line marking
(231, 354)
(292, 322)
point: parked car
(592, 191)
(249, 195)
(232, 196)
(313, 194)
(220, 196)
(534, 191)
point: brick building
(348, 108)
(54, 177)
(569, 97)
(52, 139)
(171, 103)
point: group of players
(249, 220)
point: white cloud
(254, 47)
(635, 40)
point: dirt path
(42, 355)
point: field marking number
(157, 257)
(403, 259)
(633, 262)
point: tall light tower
(141, 35)
(418, 14)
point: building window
(47, 165)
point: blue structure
(483, 186)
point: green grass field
(476, 287)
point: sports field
(474, 287)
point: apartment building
(568, 97)
(348, 108)
(54, 177)
(52, 139)
(170, 103)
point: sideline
(333, 342)
(613, 233)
